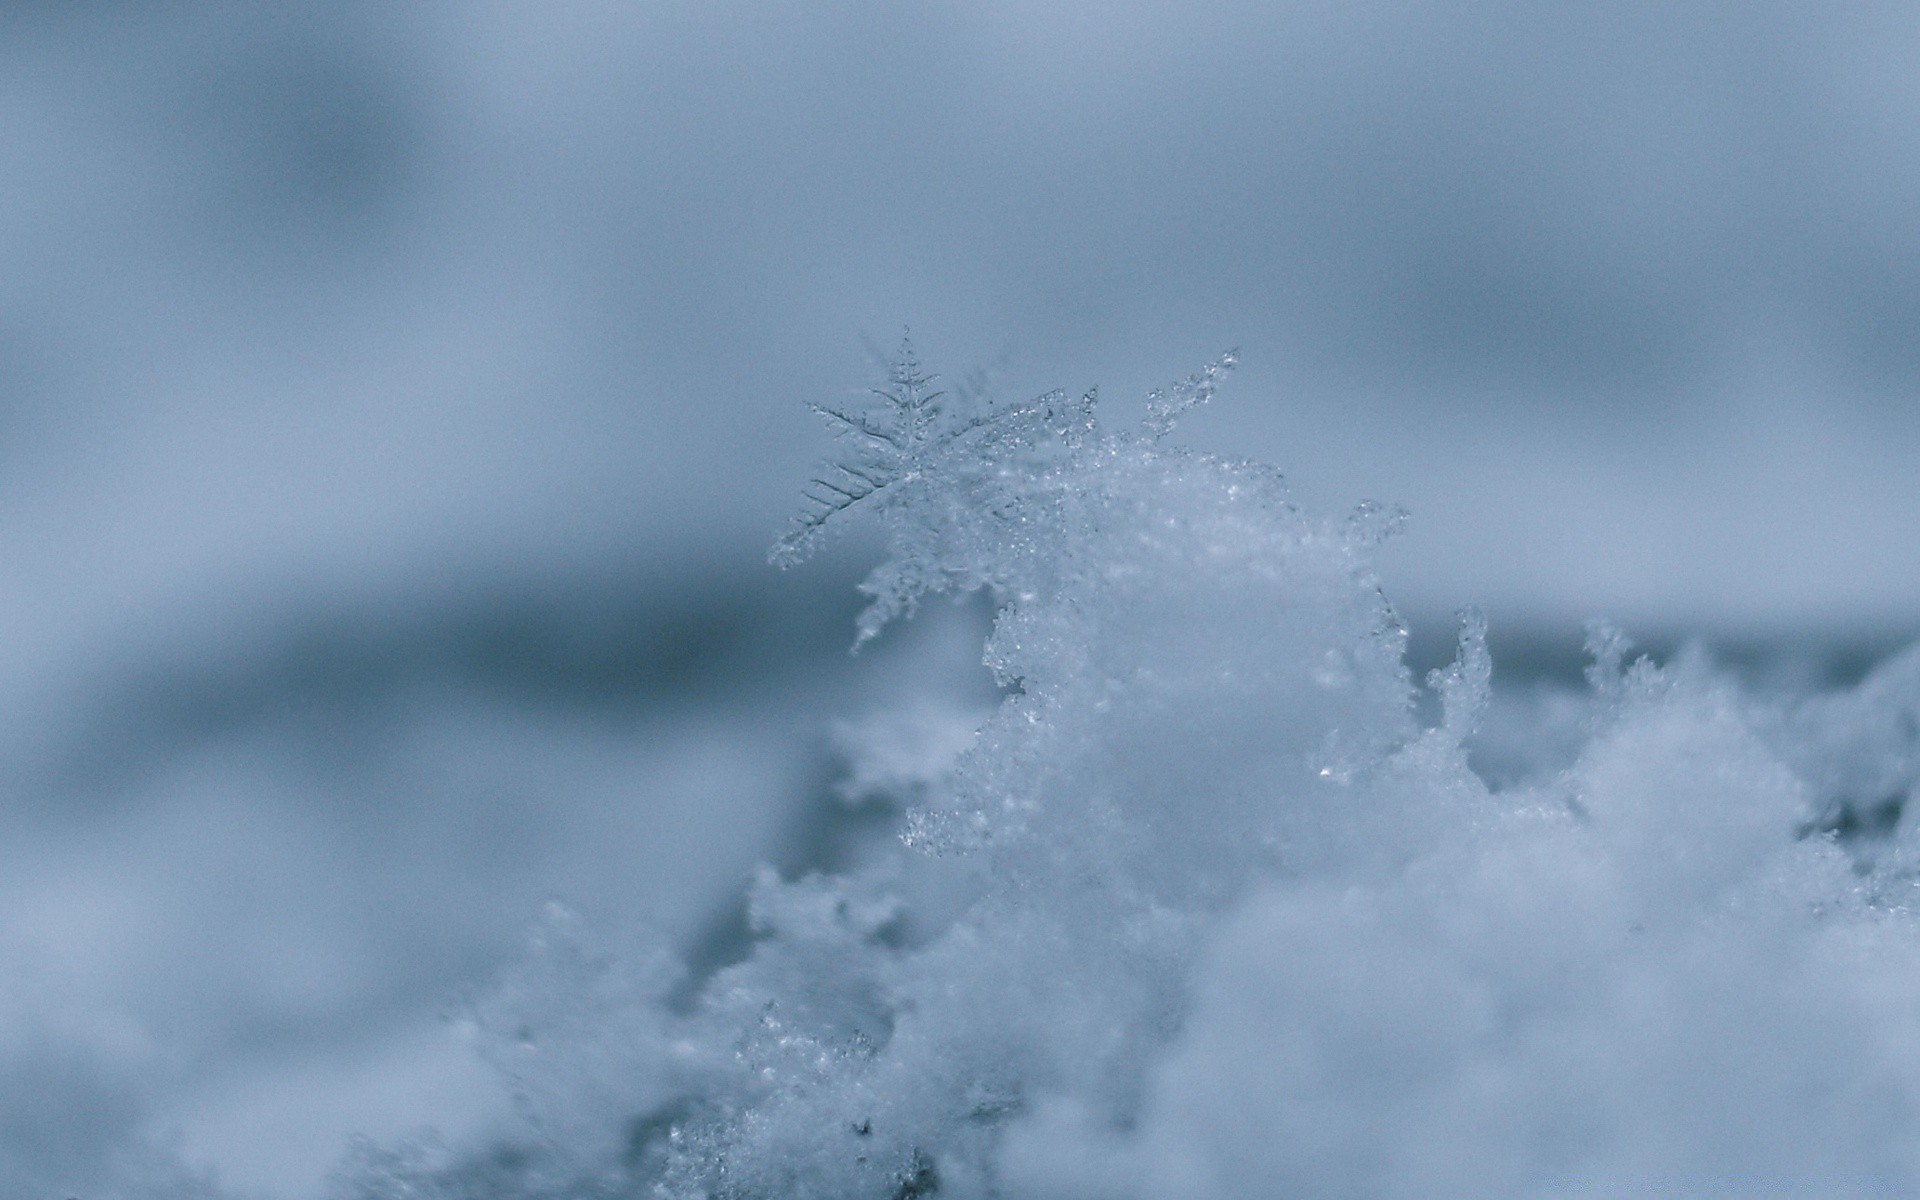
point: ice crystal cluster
(1205, 910)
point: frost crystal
(1201, 910)
(944, 473)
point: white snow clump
(1213, 916)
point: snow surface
(1203, 910)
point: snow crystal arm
(1004, 417)
(1165, 407)
(849, 423)
(826, 500)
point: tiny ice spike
(1203, 911)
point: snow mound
(1216, 916)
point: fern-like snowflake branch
(857, 425)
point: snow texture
(1203, 910)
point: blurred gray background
(396, 401)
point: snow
(1214, 915)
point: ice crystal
(962, 487)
